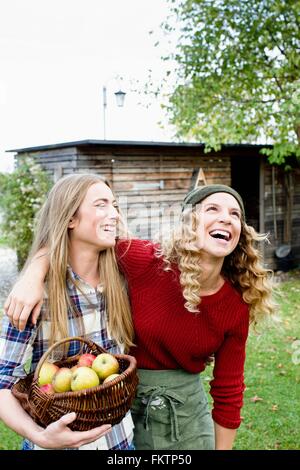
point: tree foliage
(22, 194)
(238, 73)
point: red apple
(47, 372)
(105, 364)
(62, 380)
(84, 377)
(48, 388)
(86, 360)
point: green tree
(22, 194)
(237, 73)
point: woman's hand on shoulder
(25, 298)
(58, 435)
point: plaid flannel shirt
(20, 352)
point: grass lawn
(272, 398)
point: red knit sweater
(170, 337)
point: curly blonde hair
(243, 267)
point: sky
(55, 58)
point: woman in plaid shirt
(78, 224)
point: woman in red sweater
(191, 297)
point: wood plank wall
(279, 210)
(57, 162)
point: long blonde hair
(62, 203)
(243, 267)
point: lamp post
(120, 97)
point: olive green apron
(171, 411)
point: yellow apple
(47, 372)
(84, 377)
(105, 364)
(111, 377)
(62, 380)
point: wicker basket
(105, 404)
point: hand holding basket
(104, 404)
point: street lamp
(120, 97)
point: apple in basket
(111, 377)
(86, 359)
(47, 388)
(84, 377)
(62, 380)
(47, 372)
(105, 364)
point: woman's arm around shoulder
(27, 294)
(134, 255)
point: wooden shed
(151, 179)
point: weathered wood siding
(57, 162)
(274, 213)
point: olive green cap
(202, 192)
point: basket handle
(58, 343)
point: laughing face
(95, 222)
(219, 229)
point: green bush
(22, 194)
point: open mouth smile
(109, 228)
(223, 235)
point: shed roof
(128, 143)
